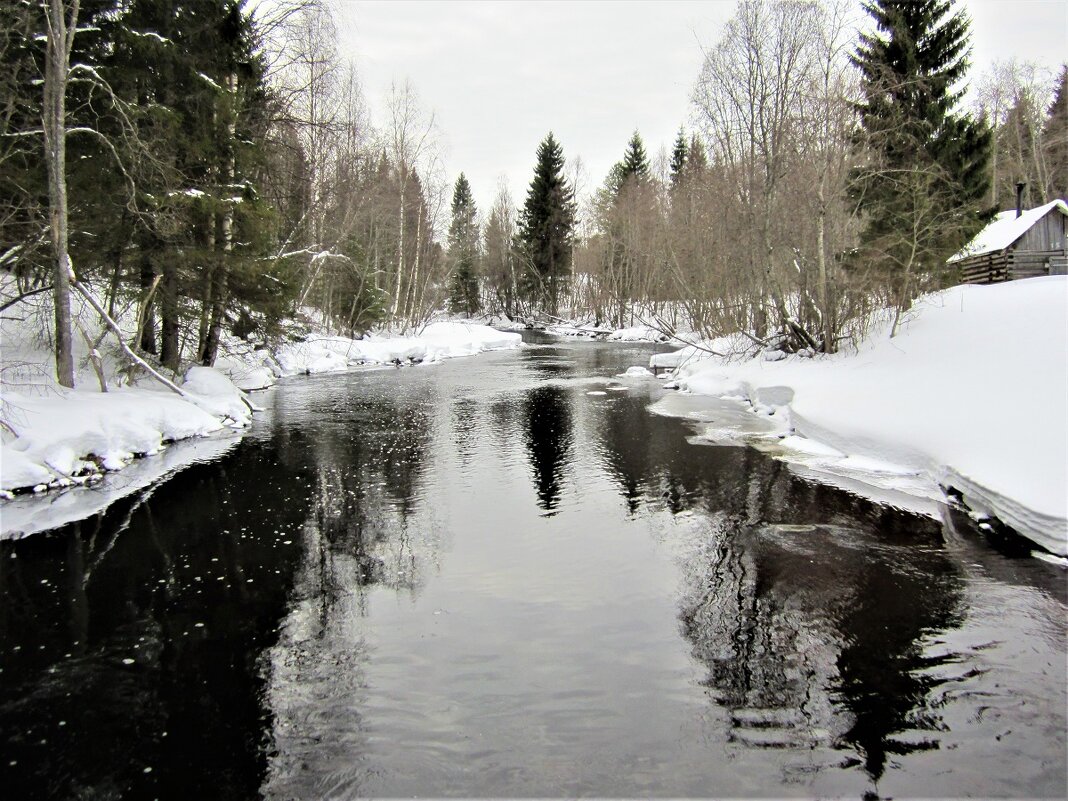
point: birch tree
(411, 139)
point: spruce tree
(546, 226)
(463, 250)
(635, 164)
(679, 154)
(922, 193)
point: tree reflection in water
(810, 608)
(366, 530)
(548, 434)
(120, 651)
(819, 625)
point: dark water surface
(478, 579)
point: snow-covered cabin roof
(1005, 229)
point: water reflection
(464, 422)
(813, 634)
(331, 611)
(119, 651)
(548, 437)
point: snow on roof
(1004, 230)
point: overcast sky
(500, 75)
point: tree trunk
(400, 248)
(146, 336)
(54, 124)
(824, 293)
(170, 352)
(220, 293)
(116, 273)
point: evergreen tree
(635, 164)
(922, 193)
(679, 155)
(463, 250)
(696, 160)
(1056, 137)
(546, 226)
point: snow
(641, 333)
(970, 394)
(149, 35)
(216, 393)
(66, 439)
(209, 81)
(67, 433)
(249, 371)
(1006, 229)
(441, 340)
(29, 514)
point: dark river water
(478, 579)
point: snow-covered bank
(442, 340)
(29, 514)
(640, 333)
(971, 394)
(57, 438)
(579, 329)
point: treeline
(214, 173)
(826, 177)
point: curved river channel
(503, 576)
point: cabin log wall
(1041, 250)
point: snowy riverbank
(970, 395)
(56, 438)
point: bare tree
(749, 93)
(498, 260)
(828, 117)
(411, 140)
(1014, 96)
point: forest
(210, 170)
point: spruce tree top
(547, 218)
(548, 195)
(461, 194)
(548, 172)
(635, 162)
(909, 72)
(463, 231)
(678, 157)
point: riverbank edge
(80, 436)
(930, 411)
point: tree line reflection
(129, 641)
(809, 607)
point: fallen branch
(598, 331)
(669, 332)
(85, 293)
(88, 296)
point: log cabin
(1017, 244)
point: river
(503, 576)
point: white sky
(500, 75)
